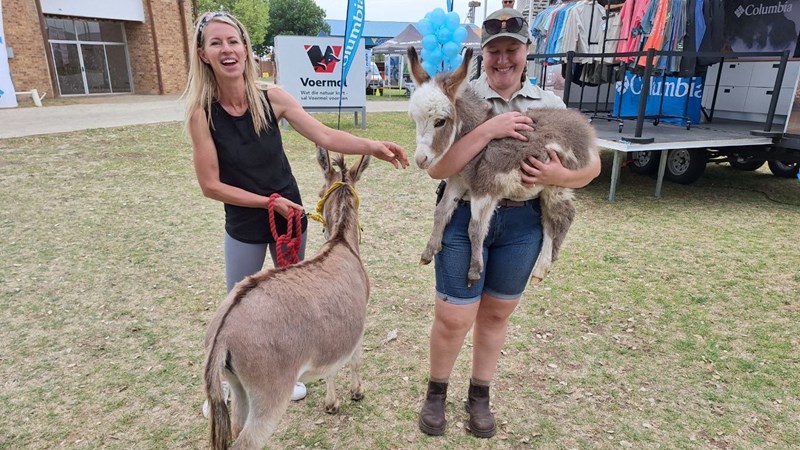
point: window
(60, 29)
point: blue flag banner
(8, 97)
(352, 34)
(449, 5)
(682, 97)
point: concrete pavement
(115, 111)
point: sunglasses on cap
(511, 25)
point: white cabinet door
(758, 99)
(733, 74)
(764, 74)
(729, 98)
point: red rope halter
(293, 238)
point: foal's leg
(562, 213)
(558, 212)
(481, 209)
(441, 217)
(545, 259)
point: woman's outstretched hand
(391, 152)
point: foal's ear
(360, 167)
(419, 74)
(455, 82)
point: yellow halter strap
(317, 215)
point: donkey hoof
(535, 280)
(427, 257)
(472, 277)
(357, 395)
(332, 409)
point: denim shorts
(510, 250)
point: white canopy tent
(410, 37)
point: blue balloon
(450, 49)
(460, 35)
(435, 56)
(455, 61)
(437, 18)
(424, 27)
(427, 55)
(444, 35)
(431, 68)
(452, 21)
(429, 42)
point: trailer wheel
(644, 163)
(684, 166)
(784, 169)
(746, 163)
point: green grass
(666, 323)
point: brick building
(89, 47)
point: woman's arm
(285, 106)
(206, 167)
(554, 173)
(463, 150)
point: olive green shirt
(528, 97)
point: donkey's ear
(324, 160)
(360, 167)
(419, 74)
(455, 82)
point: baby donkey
(446, 108)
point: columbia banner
(8, 97)
(678, 98)
(353, 29)
(762, 26)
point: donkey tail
(218, 415)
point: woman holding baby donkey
(239, 159)
(515, 235)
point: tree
(296, 18)
(254, 14)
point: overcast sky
(405, 10)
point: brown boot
(481, 420)
(431, 418)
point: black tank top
(255, 163)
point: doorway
(90, 57)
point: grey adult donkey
(304, 321)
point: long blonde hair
(201, 85)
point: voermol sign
(310, 68)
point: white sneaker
(299, 392)
(226, 393)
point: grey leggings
(243, 259)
